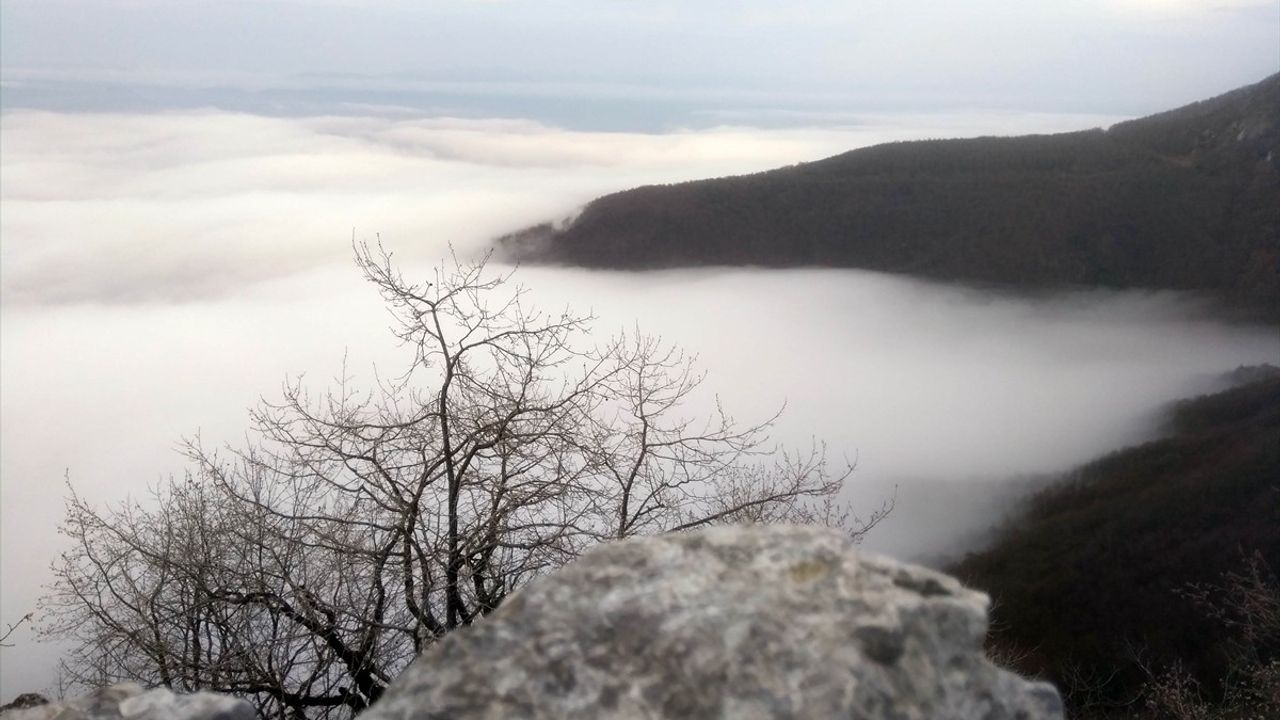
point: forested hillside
(1187, 199)
(1092, 584)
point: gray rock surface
(734, 622)
(131, 702)
(25, 700)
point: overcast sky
(701, 62)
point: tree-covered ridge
(1188, 199)
(1094, 584)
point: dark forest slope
(1187, 199)
(1088, 584)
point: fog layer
(160, 272)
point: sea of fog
(161, 272)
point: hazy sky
(651, 64)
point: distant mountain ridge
(1187, 199)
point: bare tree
(1245, 604)
(305, 569)
(11, 628)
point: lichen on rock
(729, 622)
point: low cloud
(176, 207)
(161, 272)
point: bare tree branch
(305, 568)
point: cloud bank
(119, 208)
(161, 272)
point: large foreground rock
(737, 622)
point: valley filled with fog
(161, 272)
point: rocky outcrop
(734, 622)
(131, 702)
(23, 701)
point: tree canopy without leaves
(307, 567)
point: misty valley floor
(160, 269)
